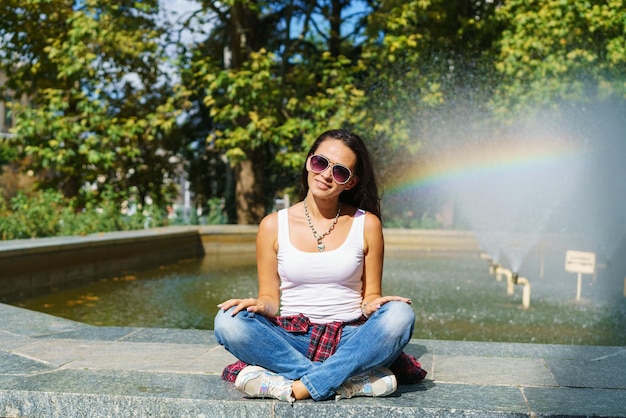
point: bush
(46, 213)
(38, 215)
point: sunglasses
(318, 164)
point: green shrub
(46, 213)
(30, 216)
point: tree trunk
(334, 43)
(249, 197)
(237, 34)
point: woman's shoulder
(269, 223)
(372, 220)
(372, 233)
(355, 212)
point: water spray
(500, 271)
(493, 267)
(485, 256)
(512, 279)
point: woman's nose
(328, 172)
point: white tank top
(324, 286)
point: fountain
(528, 195)
(537, 190)
(512, 279)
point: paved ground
(51, 367)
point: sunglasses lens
(319, 163)
(341, 174)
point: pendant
(320, 246)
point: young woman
(320, 265)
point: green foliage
(7, 153)
(215, 215)
(27, 217)
(98, 109)
(102, 123)
(244, 103)
(430, 70)
(276, 93)
(47, 213)
(254, 106)
(559, 51)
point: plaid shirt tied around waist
(323, 343)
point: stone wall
(38, 266)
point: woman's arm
(267, 267)
(374, 248)
(268, 300)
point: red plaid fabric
(323, 343)
(324, 337)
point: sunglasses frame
(332, 166)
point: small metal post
(510, 284)
(525, 283)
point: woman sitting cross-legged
(320, 264)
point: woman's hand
(368, 308)
(249, 304)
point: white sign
(580, 262)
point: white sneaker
(257, 382)
(378, 382)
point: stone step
(52, 367)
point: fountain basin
(32, 267)
(454, 295)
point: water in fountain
(511, 186)
(558, 174)
(597, 213)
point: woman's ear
(351, 183)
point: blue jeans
(257, 341)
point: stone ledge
(52, 367)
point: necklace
(318, 237)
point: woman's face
(336, 152)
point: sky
(176, 10)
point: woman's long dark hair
(364, 195)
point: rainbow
(497, 159)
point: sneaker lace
(354, 386)
(281, 391)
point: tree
(429, 73)
(275, 93)
(558, 51)
(100, 109)
(270, 75)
